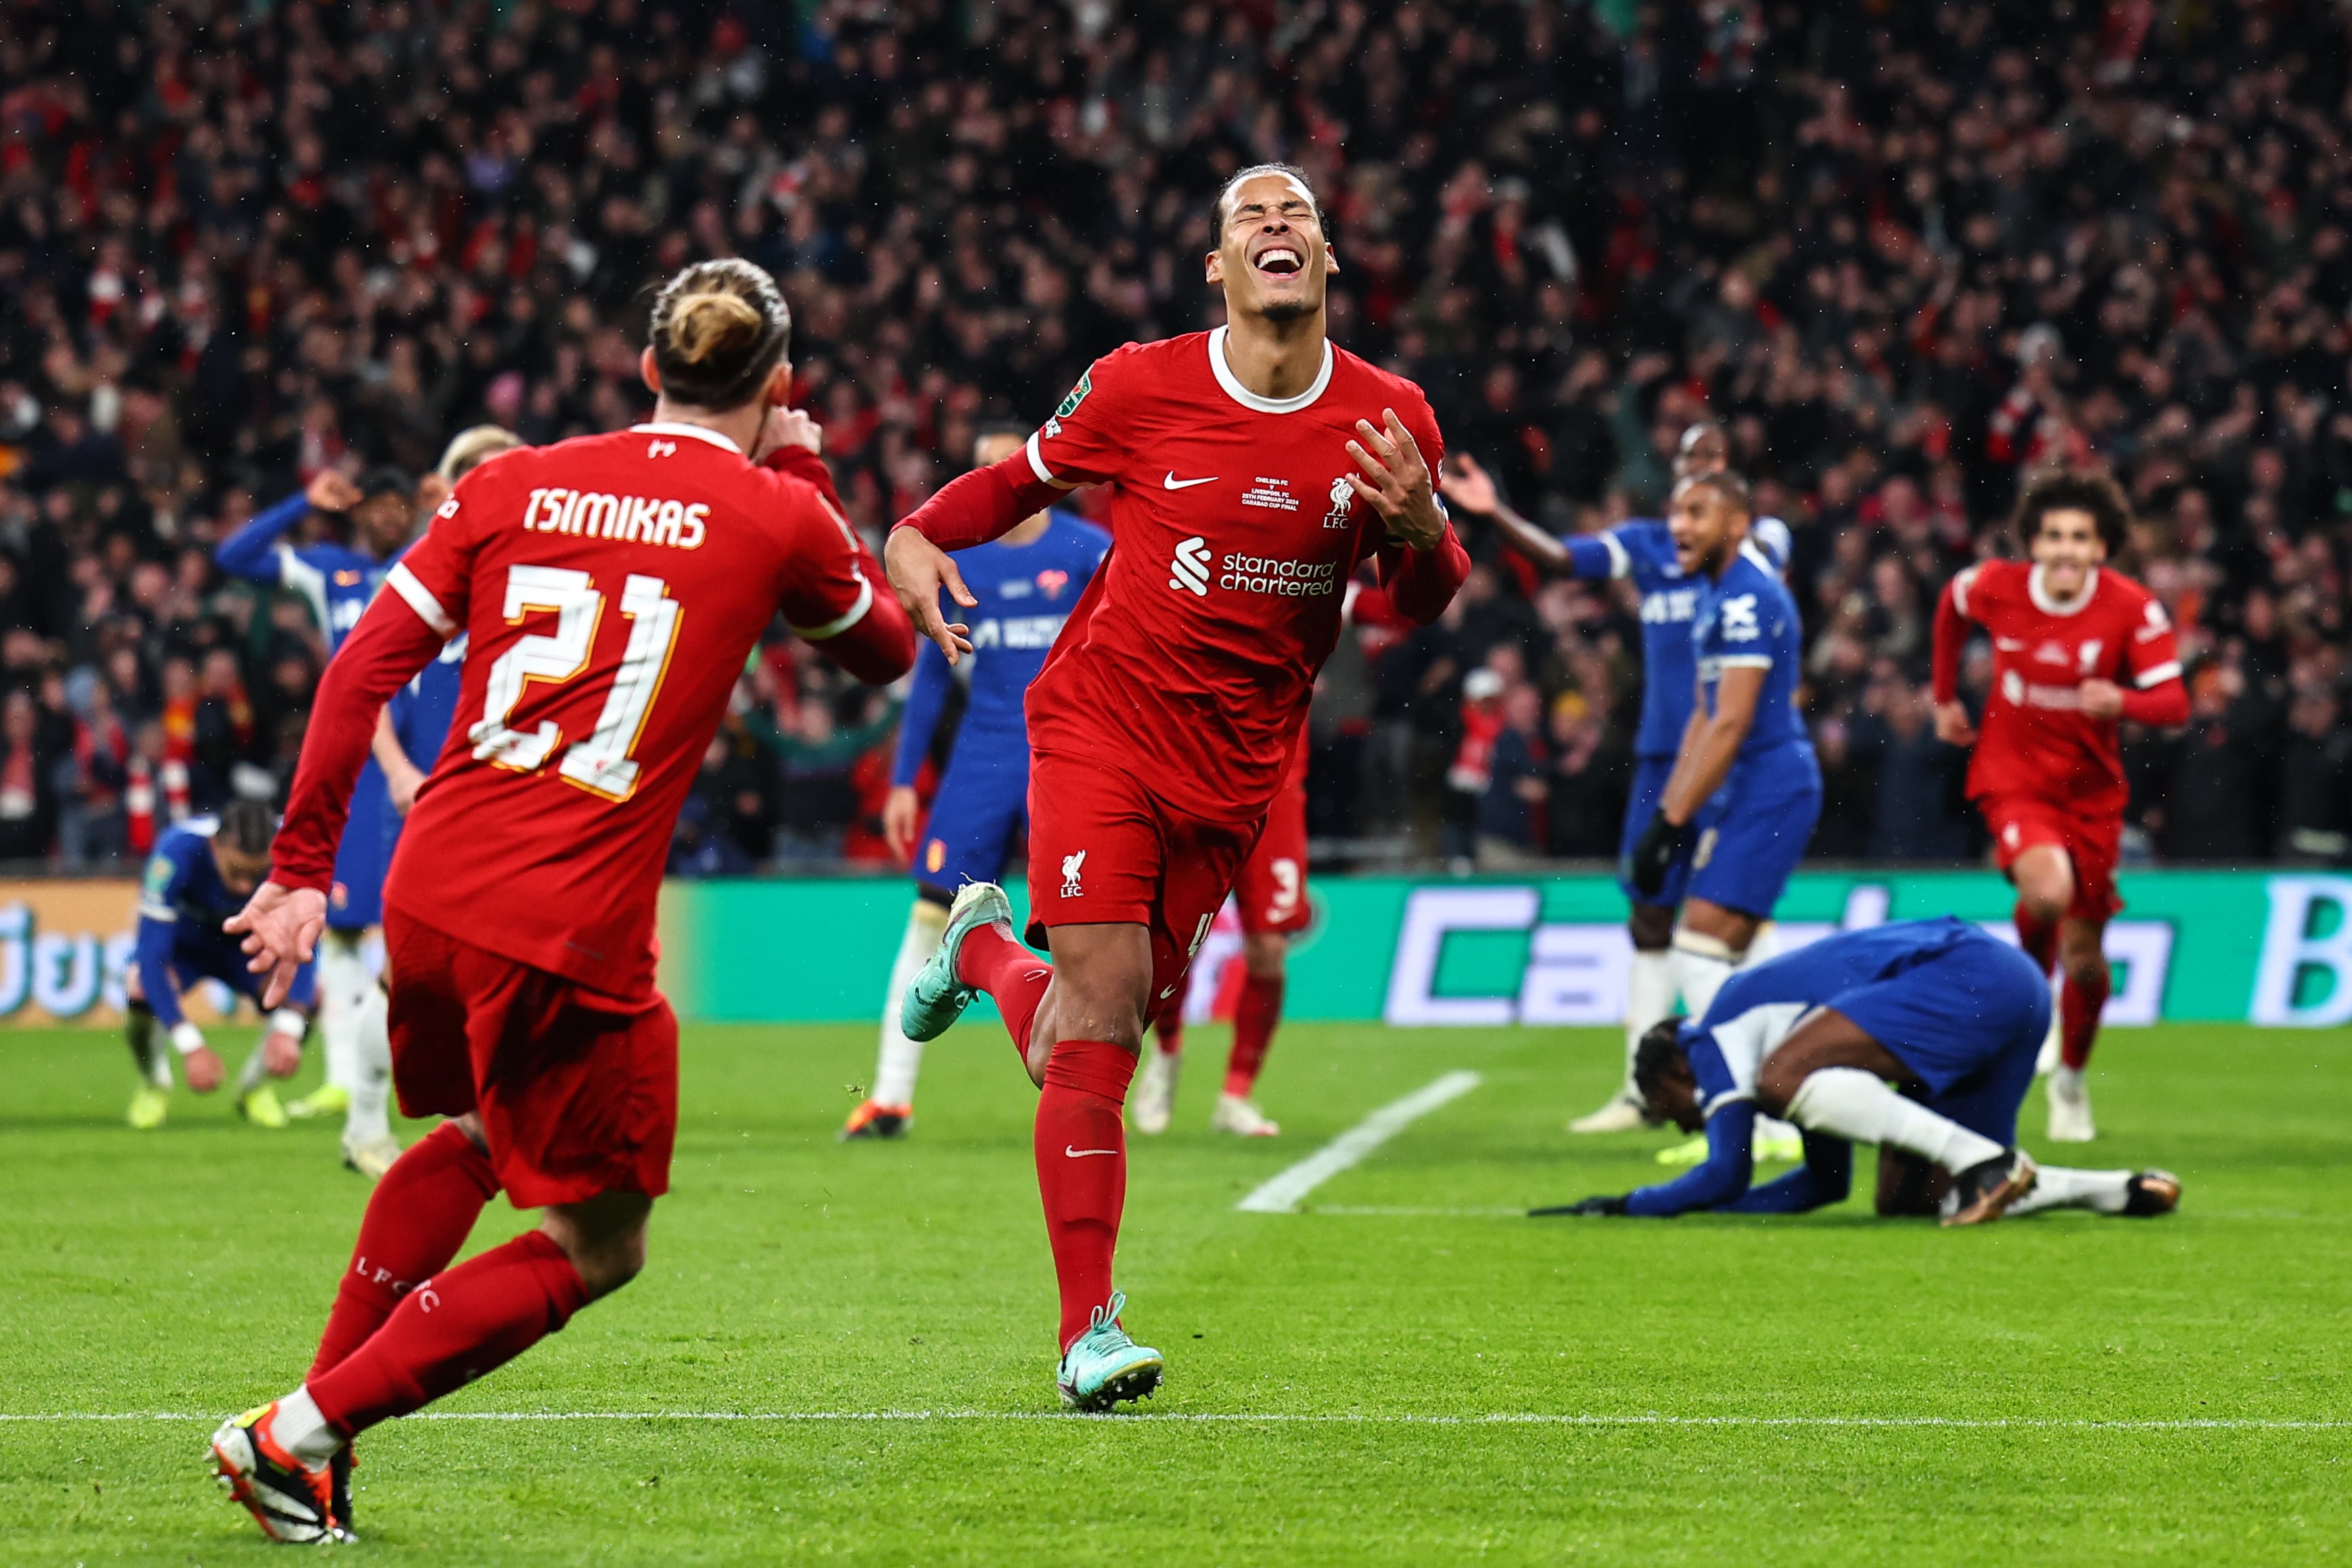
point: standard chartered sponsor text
(1272, 574)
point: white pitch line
(1178, 1417)
(1281, 1194)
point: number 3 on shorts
(600, 763)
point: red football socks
(418, 1216)
(2079, 1005)
(2038, 938)
(1014, 976)
(451, 1329)
(1256, 1013)
(1081, 1147)
(1168, 1032)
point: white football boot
(1153, 1104)
(2070, 1107)
(1238, 1116)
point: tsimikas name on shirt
(629, 519)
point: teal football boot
(1103, 1366)
(935, 998)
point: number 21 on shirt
(600, 763)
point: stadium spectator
(1904, 255)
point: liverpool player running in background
(1270, 895)
(612, 587)
(2076, 649)
(1027, 582)
(1252, 468)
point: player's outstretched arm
(1718, 1179)
(1953, 726)
(1469, 490)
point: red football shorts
(1271, 890)
(577, 1090)
(1103, 850)
(2021, 822)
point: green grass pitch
(1834, 1389)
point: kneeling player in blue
(1026, 582)
(1952, 1014)
(201, 873)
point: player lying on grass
(199, 875)
(612, 587)
(1254, 468)
(1954, 1015)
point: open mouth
(1280, 261)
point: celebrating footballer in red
(2076, 649)
(1252, 468)
(612, 587)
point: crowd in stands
(1904, 253)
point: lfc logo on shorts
(1071, 866)
(1343, 500)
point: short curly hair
(2097, 493)
(1660, 1052)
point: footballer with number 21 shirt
(612, 586)
(1252, 468)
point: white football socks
(2057, 1187)
(342, 987)
(1649, 997)
(302, 1431)
(1850, 1103)
(900, 1059)
(368, 1120)
(1700, 964)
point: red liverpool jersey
(1188, 660)
(2035, 739)
(612, 587)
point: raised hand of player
(1952, 725)
(2101, 698)
(1397, 483)
(280, 929)
(898, 808)
(330, 491)
(1468, 485)
(787, 428)
(919, 570)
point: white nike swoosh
(1082, 1153)
(1174, 483)
(1167, 994)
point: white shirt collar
(672, 427)
(2050, 607)
(1248, 399)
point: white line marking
(1959, 1423)
(1393, 1211)
(1281, 1194)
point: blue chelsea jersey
(1025, 593)
(336, 580)
(1642, 552)
(1748, 619)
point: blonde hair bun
(702, 325)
